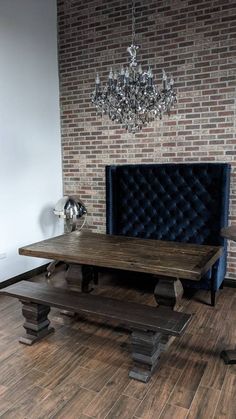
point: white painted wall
(30, 148)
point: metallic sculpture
(71, 210)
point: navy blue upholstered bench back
(176, 202)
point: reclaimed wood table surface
(169, 261)
(229, 356)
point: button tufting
(179, 201)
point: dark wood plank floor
(81, 371)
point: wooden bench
(148, 324)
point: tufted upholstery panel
(176, 202)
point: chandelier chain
(133, 23)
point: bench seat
(147, 323)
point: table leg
(89, 274)
(229, 356)
(78, 279)
(168, 292)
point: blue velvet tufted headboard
(178, 202)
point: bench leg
(146, 349)
(36, 322)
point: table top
(172, 259)
(229, 232)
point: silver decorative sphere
(71, 209)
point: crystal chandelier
(130, 97)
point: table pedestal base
(168, 292)
(79, 279)
(229, 357)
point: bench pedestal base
(146, 349)
(36, 322)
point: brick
(193, 40)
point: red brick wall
(192, 39)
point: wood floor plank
(137, 389)
(171, 412)
(16, 391)
(226, 407)
(74, 416)
(57, 398)
(95, 380)
(22, 409)
(204, 403)
(2, 390)
(158, 394)
(4, 406)
(188, 383)
(106, 398)
(10, 375)
(57, 358)
(117, 355)
(73, 409)
(215, 370)
(62, 369)
(190, 346)
(123, 408)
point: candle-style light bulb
(97, 80)
(150, 72)
(140, 71)
(122, 71)
(164, 79)
(150, 76)
(171, 81)
(111, 74)
(115, 78)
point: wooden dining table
(166, 261)
(229, 356)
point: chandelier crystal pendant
(130, 97)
